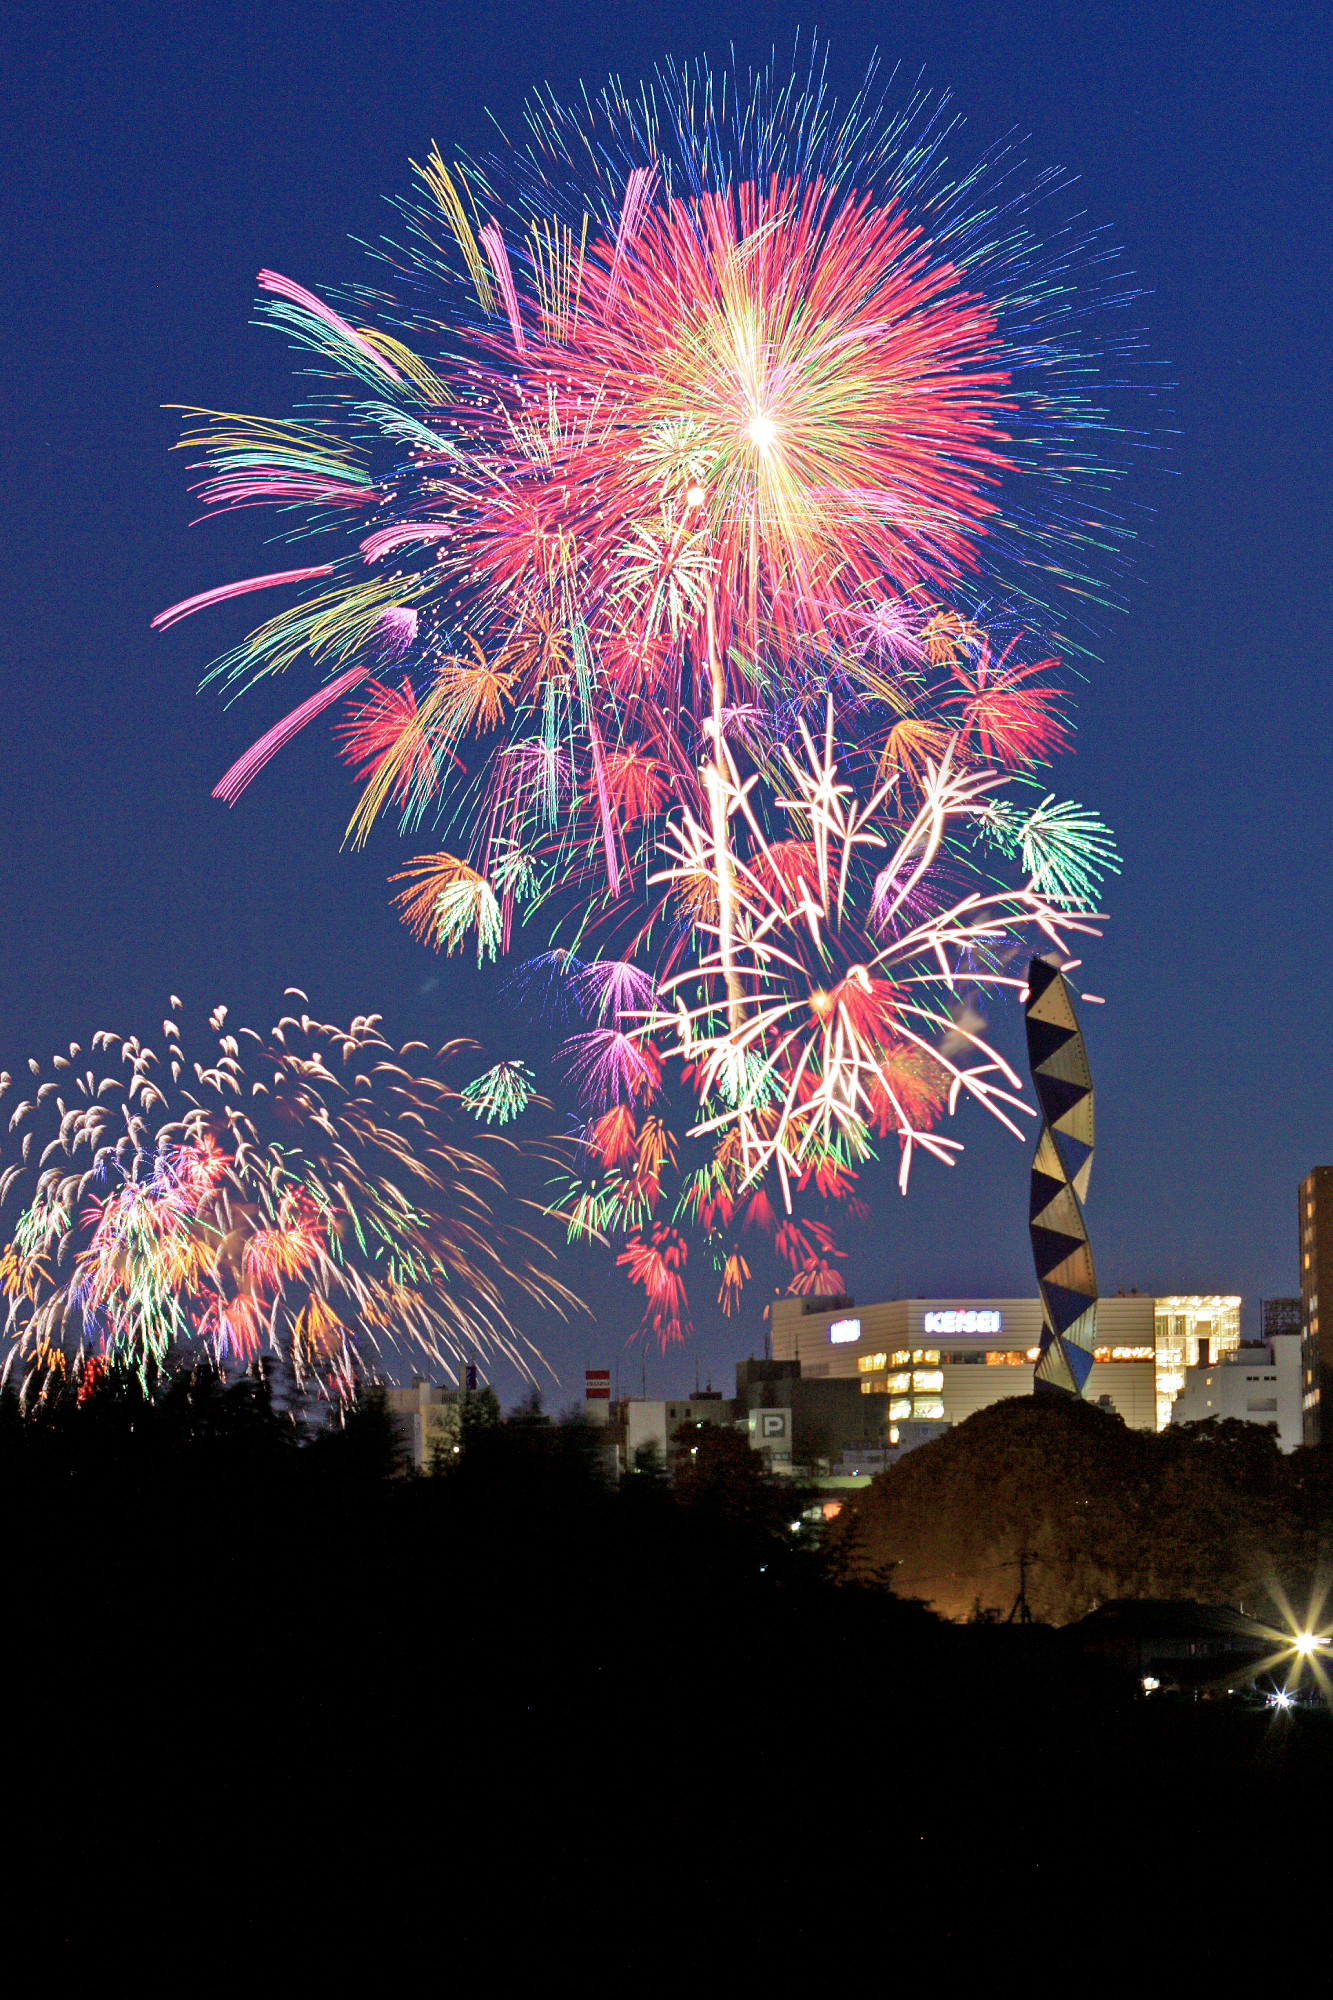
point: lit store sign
(963, 1322)
(841, 1330)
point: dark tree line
(259, 1635)
(1213, 1511)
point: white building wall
(428, 1418)
(646, 1423)
(651, 1422)
(1262, 1390)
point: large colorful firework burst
(703, 419)
(313, 1193)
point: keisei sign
(963, 1322)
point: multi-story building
(1189, 1331)
(1315, 1242)
(429, 1421)
(1283, 1319)
(798, 1425)
(1260, 1384)
(1279, 1316)
(938, 1360)
(803, 1422)
(651, 1422)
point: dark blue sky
(157, 155)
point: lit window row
(909, 1383)
(902, 1357)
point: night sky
(157, 155)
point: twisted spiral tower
(1061, 1167)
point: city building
(823, 1426)
(428, 1419)
(650, 1422)
(1280, 1316)
(848, 1390)
(938, 1360)
(1189, 1331)
(1261, 1383)
(1315, 1249)
(597, 1395)
(805, 1422)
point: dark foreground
(515, 1705)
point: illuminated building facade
(938, 1360)
(1315, 1226)
(1191, 1331)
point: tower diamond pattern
(1061, 1167)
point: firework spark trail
(824, 998)
(223, 592)
(230, 786)
(712, 415)
(313, 1201)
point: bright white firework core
(763, 430)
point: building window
(927, 1378)
(900, 1407)
(902, 1358)
(870, 1364)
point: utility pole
(1021, 1609)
